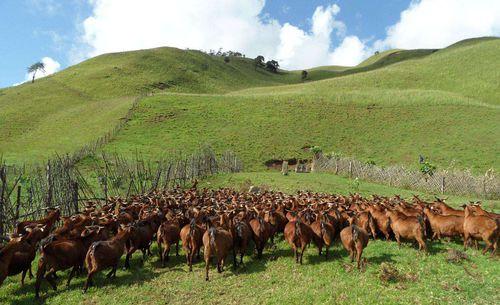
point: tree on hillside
(304, 74)
(272, 66)
(39, 66)
(259, 61)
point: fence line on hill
(27, 192)
(440, 182)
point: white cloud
(51, 67)
(350, 52)
(120, 25)
(439, 23)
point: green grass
(276, 279)
(386, 126)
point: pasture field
(276, 279)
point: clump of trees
(271, 65)
(259, 62)
(225, 54)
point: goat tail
(421, 221)
(322, 229)
(192, 227)
(355, 233)
(211, 233)
(298, 230)
(261, 225)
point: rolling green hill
(391, 108)
(444, 106)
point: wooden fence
(442, 181)
(26, 192)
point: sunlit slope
(470, 70)
(443, 106)
(62, 112)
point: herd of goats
(225, 222)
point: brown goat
(217, 242)
(49, 221)
(64, 254)
(191, 236)
(365, 221)
(354, 240)
(445, 225)
(408, 227)
(106, 254)
(261, 233)
(141, 238)
(382, 221)
(6, 254)
(242, 234)
(168, 234)
(324, 234)
(22, 259)
(481, 227)
(298, 235)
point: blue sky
(298, 33)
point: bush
(427, 168)
(315, 150)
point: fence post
(48, 201)
(18, 202)
(106, 189)
(75, 196)
(336, 166)
(443, 185)
(284, 168)
(3, 201)
(350, 169)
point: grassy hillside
(68, 109)
(389, 115)
(391, 108)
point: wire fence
(453, 182)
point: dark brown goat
(6, 254)
(106, 254)
(242, 234)
(64, 254)
(142, 237)
(354, 239)
(49, 221)
(168, 234)
(22, 259)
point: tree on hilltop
(39, 66)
